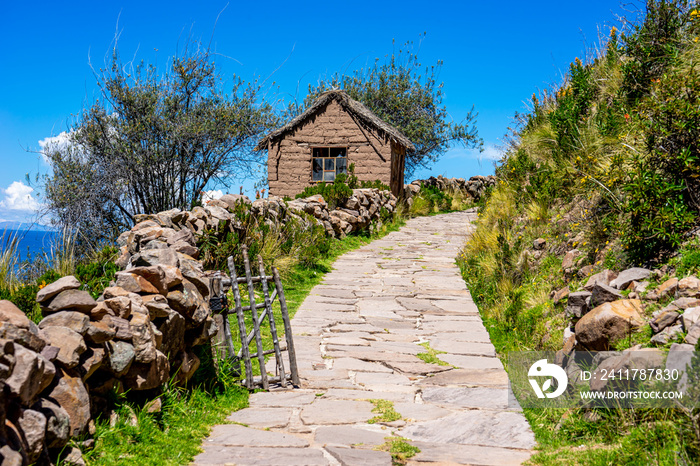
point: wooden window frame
(323, 163)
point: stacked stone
(53, 376)
(34, 385)
(473, 188)
(353, 214)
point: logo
(542, 368)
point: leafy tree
(405, 95)
(153, 142)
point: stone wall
(141, 331)
(289, 159)
(473, 188)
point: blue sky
(495, 56)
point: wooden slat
(271, 319)
(241, 326)
(287, 329)
(254, 313)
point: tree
(397, 92)
(152, 143)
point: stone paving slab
(355, 457)
(262, 417)
(282, 399)
(467, 454)
(357, 335)
(218, 455)
(324, 412)
(349, 436)
(235, 435)
(475, 427)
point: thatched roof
(351, 106)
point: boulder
(667, 334)
(57, 422)
(232, 200)
(185, 299)
(604, 278)
(27, 337)
(601, 293)
(569, 259)
(155, 275)
(578, 304)
(76, 300)
(685, 303)
(607, 323)
(663, 320)
(539, 244)
(187, 249)
(33, 426)
(101, 310)
(628, 276)
(667, 288)
(157, 306)
(11, 314)
(585, 271)
(173, 330)
(693, 334)
(148, 376)
(11, 457)
(100, 331)
(72, 456)
(76, 321)
(114, 292)
(142, 336)
(31, 374)
(119, 305)
(561, 294)
(151, 257)
(120, 355)
(51, 290)
(90, 361)
(689, 287)
(121, 328)
(182, 236)
(70, 343)
(173, 277)
(689, 317)
(135, 283)
(7, 364)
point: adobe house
(322, 142)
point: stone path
(357, 335)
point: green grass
(385, 412)
(170, 437)
(430, 356)
(399, 448)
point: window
(329, 162)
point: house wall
(289, 159)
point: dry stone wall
(141, 331)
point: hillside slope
(601, 175)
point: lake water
(31, 242)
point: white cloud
(490, 153)
(213, 194)
(60, 142)
(18, 196)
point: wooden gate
(224, 341)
